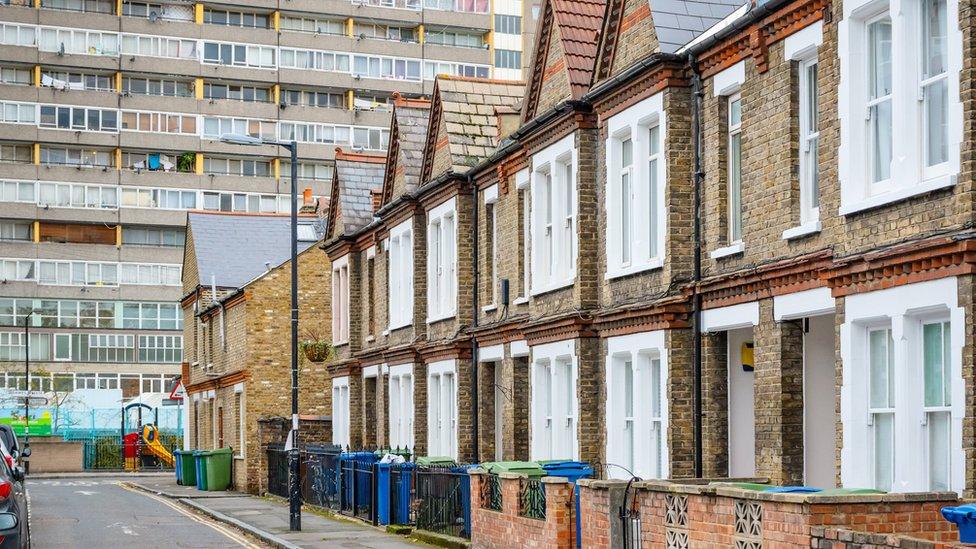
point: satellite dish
(153, 16)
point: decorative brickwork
(506, 528)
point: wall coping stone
(555, 480)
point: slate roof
(410, 118)
(357, 176)
(678, 22)
(237, 248)
(579, 24)
(468, 108)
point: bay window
(554, 216)
(898, 63)
(400, 275)
(442, 261)
(635, 190)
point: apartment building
(702, 251)
(110, 132)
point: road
(84, 513)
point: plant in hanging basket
(315, 348)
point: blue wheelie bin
(964, 517)
(573, 471)
(355, 489)
(465, 486)
(200, 466)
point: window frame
(555, 234)
(442, 235)
(341, 325)
(400, 276)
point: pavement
(267, 519)
(83, 511)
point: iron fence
(532, 499)
(491, 493)
(277, 470)
(442, 498)
(357, 489)
(402, 508)
(320, 481)
(110, 452)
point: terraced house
(714, 239)
(113, 112)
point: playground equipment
(150, 438)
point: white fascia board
(815, 302)
(743, 315)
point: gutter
(698, 180)
(475, 411)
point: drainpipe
(699, 176)
(474, 318)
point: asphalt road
(86, 513)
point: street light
(27, 319)
(294, 493)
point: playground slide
(150, 435)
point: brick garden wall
(506, 528)
(720, 515)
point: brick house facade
(237, 365)
(702, 251)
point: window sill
(651, 265)
(898, 195)
(395, 327)
(539, 290)
(436, 319)
(727, 251)
(520, 300)
(489, 308)
(341, 343)
(804, 229)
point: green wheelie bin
(435, 461)
(217, 464)
(186, 473)
(530, 469)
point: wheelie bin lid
(528, 468)
(794, 490)
(563, 464)
(849, 492)
(960, 514)
(435, 461)
(758, 487)
(219, 451)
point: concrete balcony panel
(151, 141)
(18, 54)
(151, 254)
(315, 41)
(86, 252)
(442, 18)
(318, 152)
(477, 56)
(18, 210)
(300, 77)
(186, 105)
(375, 118)
(78, 20)
(231, 107)
(12, 170)
(102, 140)
(161, 27)
(132, 292)
(78, 174)
(77, 61)
(9, 288)
(20, 14)
(223, 33)
(333, 8)
(103, 99)
(78, 215)
(16, 132)
(173, 180)
(243, 74)
(11, 92)
(240, 183)
(392, 48)
(298, 113)
(160, 66)
(13, 248)
(153, 217)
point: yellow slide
(150, 435)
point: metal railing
(277, 470)
(491, 493)
(442, 498)
(532, 499)
(320, 482)
(357, 489)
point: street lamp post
(294, 491)
(27, 319)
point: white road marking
(85, 492)
(230, 534)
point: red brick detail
(636, 16)
(559, 65)
(506, 528)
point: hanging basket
(317, 351)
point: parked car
(14, 516)
(9, 439)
